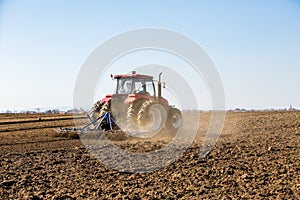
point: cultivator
(103, 123)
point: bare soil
(256, 157)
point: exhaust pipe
(159, 86)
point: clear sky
(255, 45)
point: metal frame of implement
(105, 118)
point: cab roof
(137, 76)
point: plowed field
(256, 157)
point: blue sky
(255, 45)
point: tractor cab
(132, 87)
(135, 84)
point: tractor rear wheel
(152, 117)
(133, 110)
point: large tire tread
(169, 122)
(133, 110)
(143, 112)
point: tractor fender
(133, 97)
(164, 101)
(106, 99)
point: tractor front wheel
(174, 120)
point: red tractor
(136, 101)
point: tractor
(137, 104)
